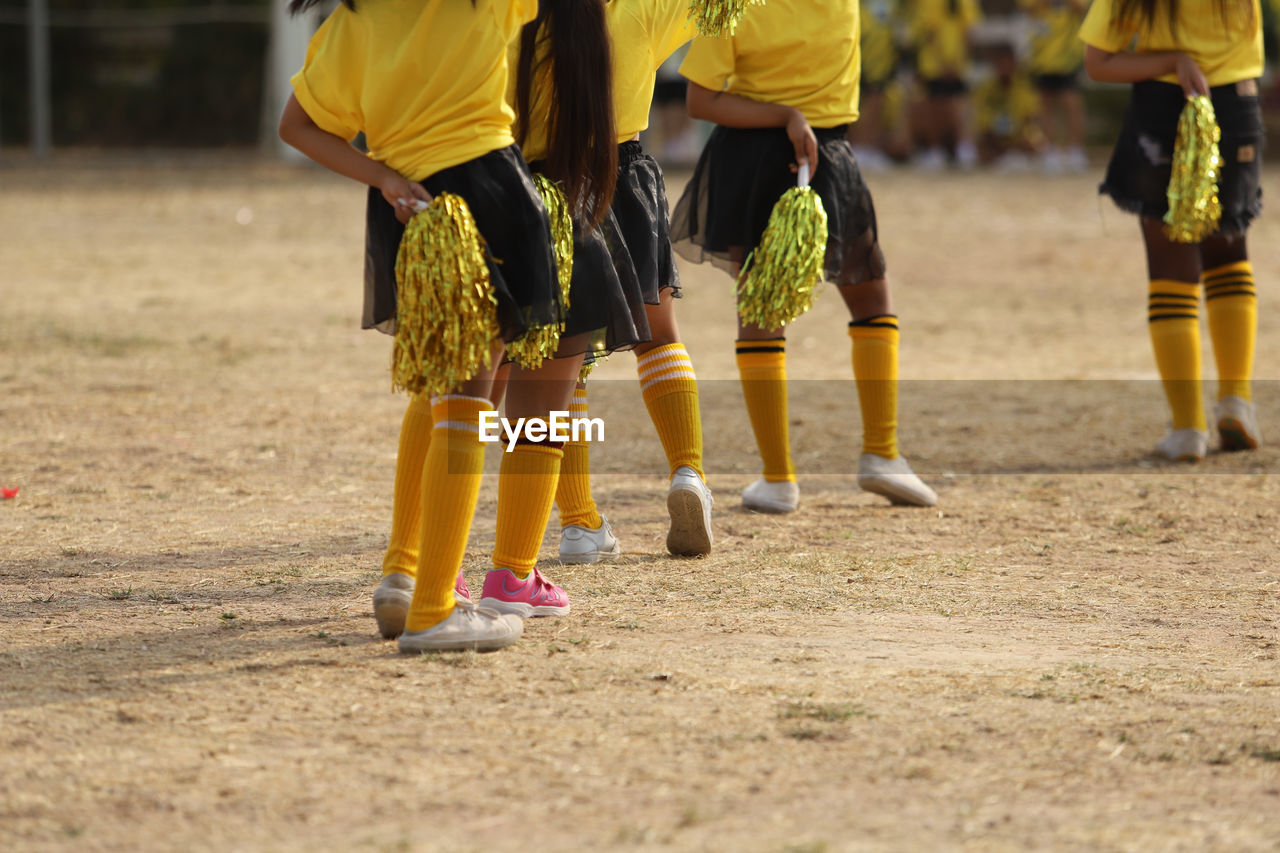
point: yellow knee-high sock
(1231, 301)
(1173, 319)
(573, 491)
(670, 389)
(762, 366)
(526, 485)
(875, 367)
(451, 478)
(406, 507)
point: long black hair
(1127, 13)
(582, 140)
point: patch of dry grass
(1076, 649)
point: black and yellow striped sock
(762, 366)
(875, 367)
(1173, 319)
(1231, 301)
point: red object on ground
(9, 493)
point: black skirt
(509, 214)
(606, 307)
(742, 174)
(1142, 161)
(644, 218)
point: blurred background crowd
(946, 84)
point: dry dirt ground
(1076, 650)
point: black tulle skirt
(742, 173)
(509, 214)
(1141, 163)
(644, 218)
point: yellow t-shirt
(1055, 48)
(424, 79)
(645, 33)
(642, 33)
(1007, 111)
(879, 53)
(940, 29)
(1227, 52)
(798, 53)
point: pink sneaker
(533, 596)
(460, 588)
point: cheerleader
(1056, 57)
(783, 91)
(644, 33)
(941, 31)
(1183, 49)
(562, 73)
(425, 82)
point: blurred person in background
(1006, 115)
(879, 62)
(941, 32)
(1057, 56)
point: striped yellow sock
(451, 476)
(406, 507)
(1231, 302)
(526, 486)
(1173, 319)
(875, 367)
(762, 365)
(573, 491)
(670, 389)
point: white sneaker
(1183, 445)
(1075, 160)
(1051, 161)
(763, 496)
(930, 160)
(689, 502)
(1237, 424)
(393, 596)
(894, 479)
(467, 627)
(580, 545)
(391, 604)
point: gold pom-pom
(446, 313)
(718, 18)
(540, 342)
(780, 277)
(1194, 208)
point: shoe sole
(524, 611)
(898, 494)
(1234, 436)
(390, 610)
(770, 508)
(488, 644)
(690, 534)
(590, 557)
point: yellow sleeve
(926, 18)
(709, 63)
(670, 27)
(328, 86)
(1097, 30)
(970, 13)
